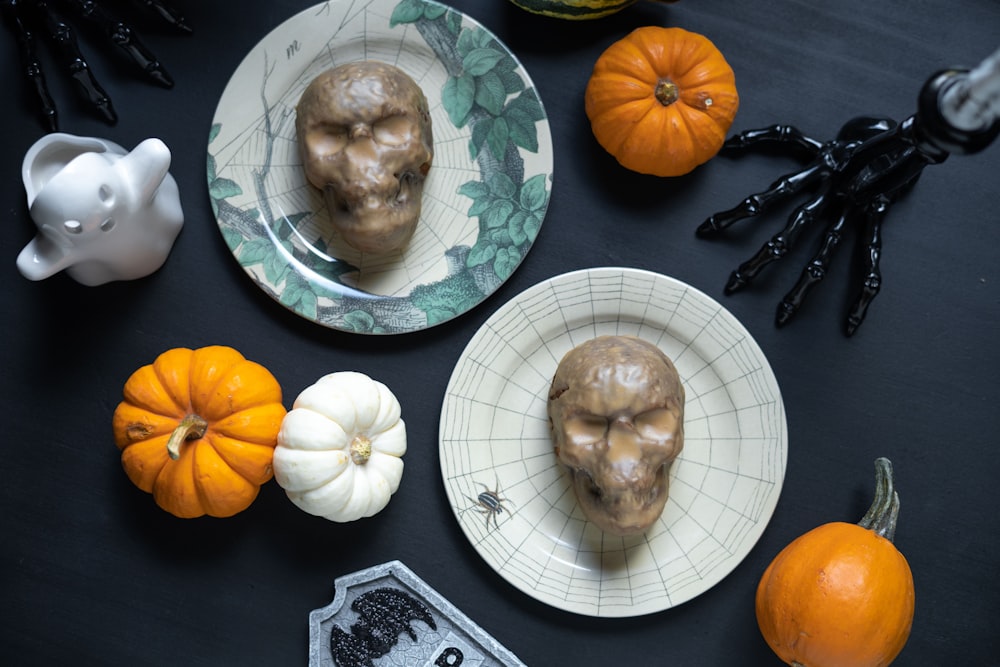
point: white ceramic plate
(496, 450)
(480, 214)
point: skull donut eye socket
(393, 131)
(327, 139)
(658, 424)
(582, 430)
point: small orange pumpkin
(841, 595)
(197, 429)
(661, 100)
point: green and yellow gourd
(576, 10)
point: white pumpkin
(340, 446)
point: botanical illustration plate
(513, 499)
(484, 199)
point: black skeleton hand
(857, 176)
(26, 18)
(853, 186)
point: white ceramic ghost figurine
(103, 213)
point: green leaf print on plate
(473, 234)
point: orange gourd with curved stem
(841, 595)
(661, 100)
(197, 429)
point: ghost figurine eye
(616, 410)
(365, 139)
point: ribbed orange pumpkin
(841, 595)
(197, 429)
(661, 100)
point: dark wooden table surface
(94, 573)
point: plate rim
(486, 276)
(780, 437)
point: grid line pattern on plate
(495, 438)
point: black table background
(94, 573)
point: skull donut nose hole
(360, 132)
(592, 488)
(618, 440)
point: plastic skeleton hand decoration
(858, 176)
(24, 17)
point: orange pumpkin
(841, 595)
(661, 100)
(197, 429)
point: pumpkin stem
(881, 516)
(666, 92)
(191, 427)
(361, 449)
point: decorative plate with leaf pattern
(484, 199)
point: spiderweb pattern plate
(512, 498)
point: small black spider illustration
(489, 503)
